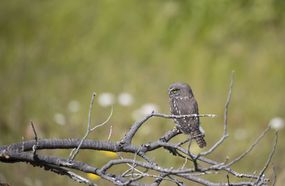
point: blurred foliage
(53, 52)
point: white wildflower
(106, 99)
(125, 99)
(149, 108)
(59, 118)
(74, 106)
(276, 123)
(144, 110)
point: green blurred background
(55, 53)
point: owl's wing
(188, 125)
(185, 107)
(189, 106)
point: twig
(261, 174)
(156, 114)
(36, 139)
(225, 133)
(131, 169)
(127, 139)
(274, 176)
(178, 183)
(110, 133)
(74, 152)
(162, 177)
(134, 161)
(90, 111)
(249, 149)
(228, 179)
(34, 130)
(184, 164)
(106, 121)
(80, 179)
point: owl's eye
(175, 91)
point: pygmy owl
(182, 102)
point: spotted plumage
(182, 102)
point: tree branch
(143, 165)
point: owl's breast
(184, 106)
(174, 107)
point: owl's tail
(199, 137)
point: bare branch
(90, 111)
(274, 176)
(156, 114)
(261, 174)
(36, 139)
(225, 134)
(106, 121)
(130, 134)
(34, 130)
(74, 152)
(79, 178)
(110, 133)
(143, 164)
(249, 149)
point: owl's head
(180, 90)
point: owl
(182, 102)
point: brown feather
(184, 104)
